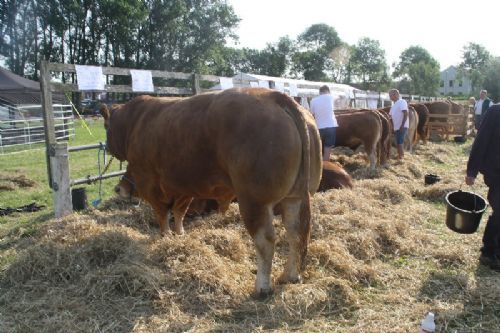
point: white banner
(89, 77)
(226, 83)
(263, 84)
(142, 81)
(280, 86)
(294, 91)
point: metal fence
(22, 127)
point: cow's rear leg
(371, 151)
(290, 213)
(258, 220)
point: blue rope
(102, 148)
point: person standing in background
(322, 110)
(480, 108)
(400, 120)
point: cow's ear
(105, 113)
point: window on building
(460, 83)
(441, 84)
(451, 84)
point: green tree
(19, 34)
(225, 61)
(273, 60)
(492, 78)
(122, 21)
(368, 63)
(277, 57)
(183, 35)
(417, 71)
(312, 60)
(475, 59)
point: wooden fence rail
(444, 125)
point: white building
(452, 83)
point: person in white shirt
(322, 110)
(400, 120)
(480, 108)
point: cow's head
(115, 135)
(126, 187)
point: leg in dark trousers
(491, 237)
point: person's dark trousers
(477, 121)
(491, 237)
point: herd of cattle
(253, 145)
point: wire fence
(22, 127)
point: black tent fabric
(17, 90)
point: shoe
(491, 261)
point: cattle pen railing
(459, 124)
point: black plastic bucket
(431, 179)
(79, 198)
(464, 211)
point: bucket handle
(474, 193)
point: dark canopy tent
(17, 90)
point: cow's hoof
(263, 294)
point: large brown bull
(251, 142)
(362, 127)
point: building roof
(17, 90)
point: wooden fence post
(196, 84)
(48, 114)
(59, 165)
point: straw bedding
(380, 257)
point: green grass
(32, 164)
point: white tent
(298, 88)
(345, 95)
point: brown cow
(423, 121)
(334, 176)
(411, 136)
(362, 127)
(386, 138)
(252, 142)
(127, 188)
(384, 145)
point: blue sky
(442, 27)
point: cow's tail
(303, 178)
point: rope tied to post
(102, 148)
